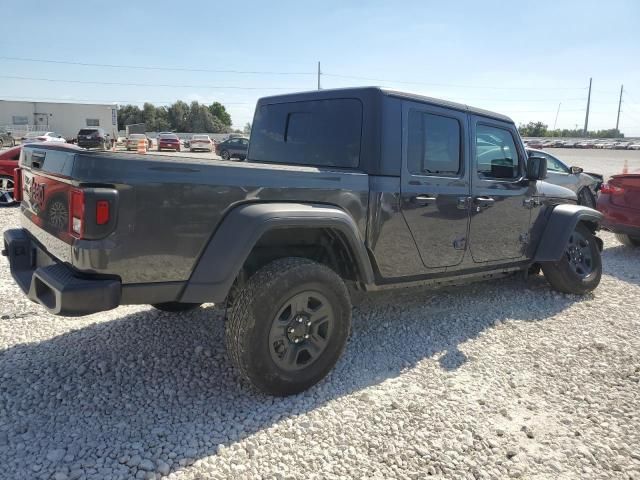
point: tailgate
(46, 186)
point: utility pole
(586, 117)
(556, 120)
(319, 73)
(619, 105)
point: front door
(501, 196)
(435, 183)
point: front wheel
(628, 240)
(288, 325)
(225, 155)
(580, 268)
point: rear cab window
(315, 133)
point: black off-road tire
(176, 306)
(563, 278)
(255, 310)
(628, 240)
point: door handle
(484, 202)
(424, 199)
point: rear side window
(433, 144)
(496, 153)
(318, 132)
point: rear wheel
(580, 268)
(176, 306)
(288, 325)
(6, 192)
(586, 198)
(628, 240)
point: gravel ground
(494, 380)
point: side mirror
(537, 168)
(576, 170)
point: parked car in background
(557, 143)
(6, 139)
(168, 141)
(8, 162)
(634, 146)
(34, 137)
(233, 148)
(134, 138)
(534, 143)
(200, 142)
(585, 185)
(93, 137)
(548, 144)
(584, 144)
(621, 145)
(569, 144)
(619, 201)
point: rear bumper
(53, 284)
(90, 143)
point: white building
(65, 119)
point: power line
(85, 82)
(142, 67)
(96, 100)
(447, 84)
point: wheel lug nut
(299, 319)
(308, 324)
(297, 340)
(291, 330)
(306, 336)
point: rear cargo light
(610, 189)
(17, 184)
(77, 213)
(102, 212)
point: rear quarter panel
(170, 209)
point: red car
(8, 161)
(619, 201)
(168, 141)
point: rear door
(501, 196)
(435, 185)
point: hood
(550, 190)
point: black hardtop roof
(364, 92)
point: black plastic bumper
(53, 284)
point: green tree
(218, 110)
(533, 129)
(247, 129)
(178, 115)
(129, 114)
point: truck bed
(167, 208)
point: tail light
(92, 212)
(102, 212)
(76, 217)
(17, 184)
(611, 189)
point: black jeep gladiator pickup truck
(342, 191)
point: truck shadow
(160, 385)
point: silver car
(586, 185)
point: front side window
(496, 153)
(555, 165)
(433, 144)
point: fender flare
(232, 242)
(561, 223)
